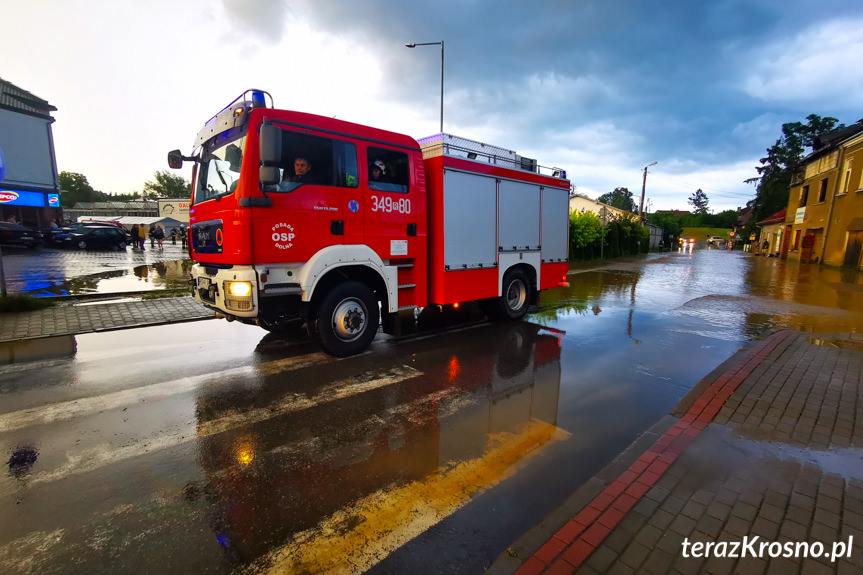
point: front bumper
(223, 289)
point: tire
(346, 320)
(121, 246)
(513, 302)
(82, 244)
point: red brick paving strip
(575, 541)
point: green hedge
(622, 236)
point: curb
(567, 537)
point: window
(822, 192)
(322, 161)
(846, 182)
(388, 170)
(804, 196)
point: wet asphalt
(215, 448)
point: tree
(620, 198)
(670, 224)
(75, 188)
(699, 201)
(168, 185)
(783, 157)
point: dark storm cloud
(676, 78)
(619, 60)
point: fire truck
(298, 217)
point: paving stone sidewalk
(768, 446)
(83, 316)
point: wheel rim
(349, 319)
(516, 295)
(82, 244)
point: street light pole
(414, 45)
(643, 186)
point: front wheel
(82, 244)
(347, 319)
(513, 302)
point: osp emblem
(283, 235)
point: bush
(15, 303)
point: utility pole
(643, 186)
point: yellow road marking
(354, 539)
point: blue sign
(354, 206)
(21, 198)
(53, 200)
(2, 165)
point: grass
(16, 303)
(159, 294)
(702, 233)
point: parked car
(95, 236)
(16, 235)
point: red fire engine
(295, 215)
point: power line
(687, 185)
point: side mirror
(175, 159)
(268, 176)
(270, 145)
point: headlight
(238, 296)
(239, 289)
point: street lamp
(414, 45)
(643, 185)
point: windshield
(219, 171)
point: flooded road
(219, 448)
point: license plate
(204, 283)
(26, 238)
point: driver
(302, 172)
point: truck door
(391, 205)
(309, 210)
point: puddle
(844, 461)
(837, 343)
(145, 277)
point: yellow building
(581, 203)
(824, 221)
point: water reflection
(145, 277)
(715, 293)
(334, 456)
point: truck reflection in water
(354, 458)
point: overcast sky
(599, 88)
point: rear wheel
(121, 246)
(82, 244)
(347, 319)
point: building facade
(29, 188)
(824, 221)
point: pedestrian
(174, 236)
(152, 235)
(160, 236)
(142, 236)
(134, 233)
(183, 235)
